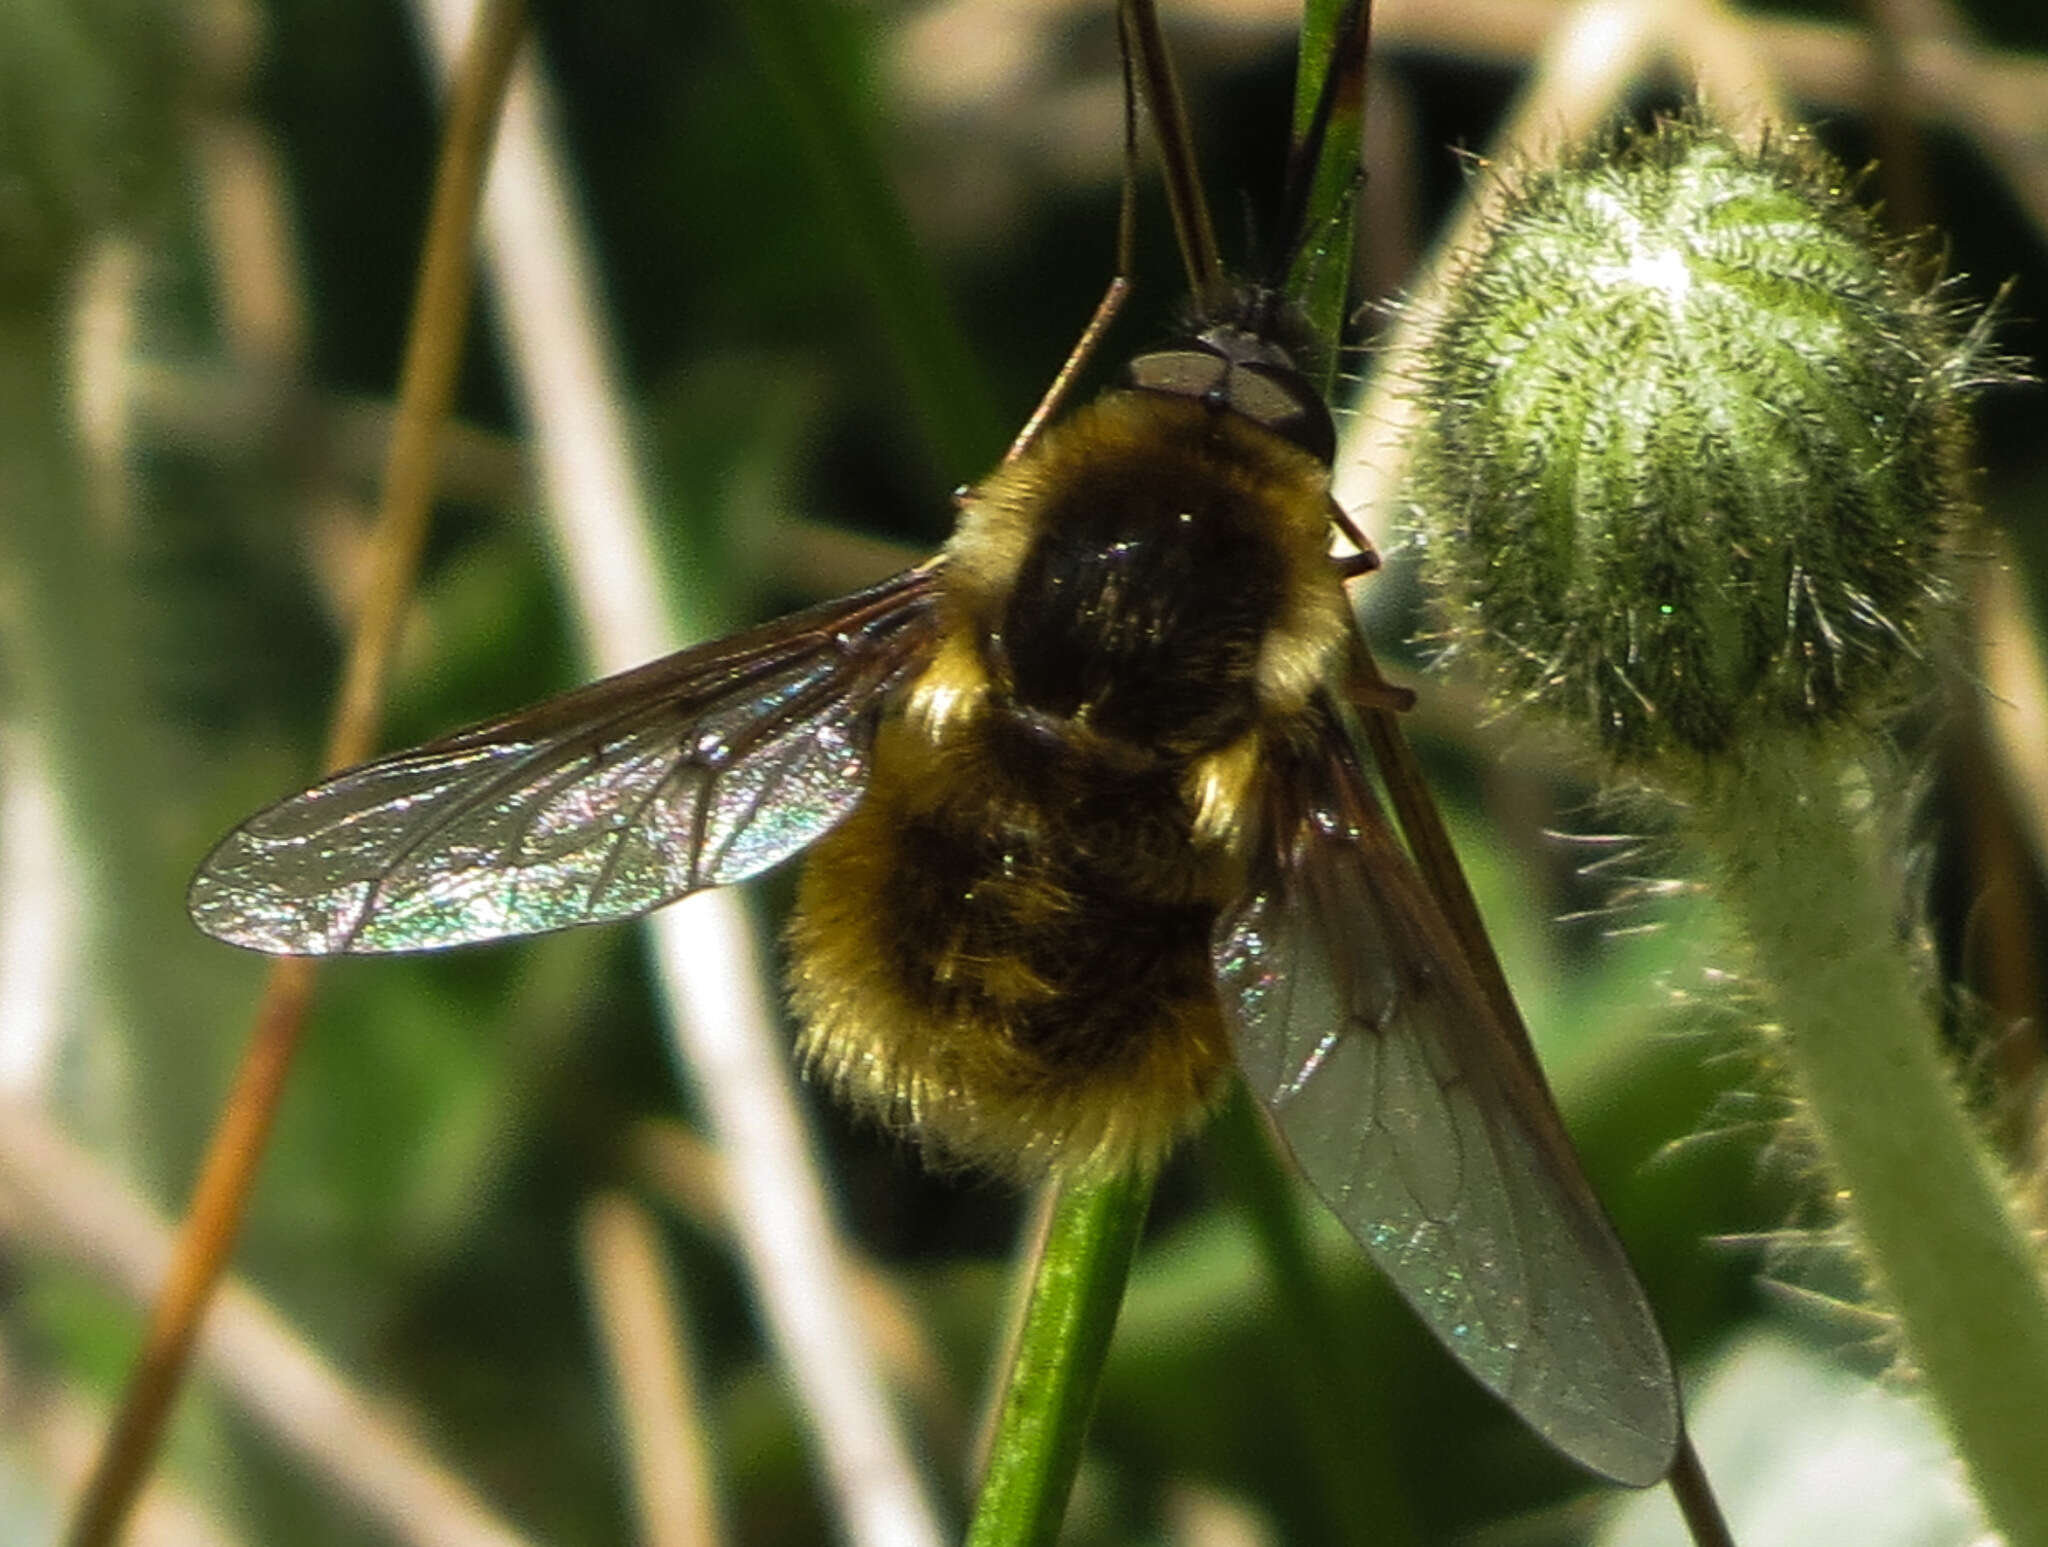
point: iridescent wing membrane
(693, 771)
(1410, 1110)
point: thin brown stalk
(57, 1200)
(1184, 198)
(427, 380)
(53, 1430)
(204, 1244)
(706, 962)
(236, 1150)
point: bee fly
(1089, 836)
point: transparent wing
(1409, 1109)
(692, 771)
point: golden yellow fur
(932, 967)
(971, 1094)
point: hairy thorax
(1007, 944)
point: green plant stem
(1922, 1194)
(1321, 281)
(1343, 1431)
(1050, 1393)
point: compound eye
(1274, 396)
(1283, 401)
(1193, 372)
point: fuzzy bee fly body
(1089, 835)
(1008, 942)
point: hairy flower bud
(1693, 443)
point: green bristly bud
(1692, 463)
(1693, 445)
